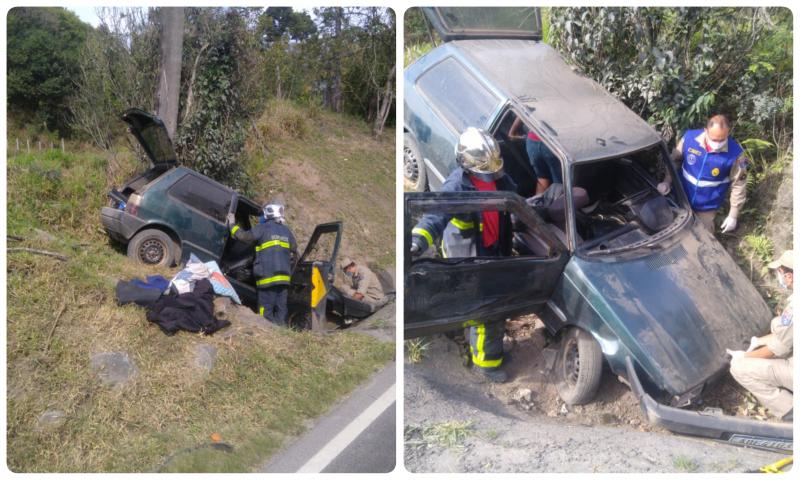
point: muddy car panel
(661, 307)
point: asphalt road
(356, 436)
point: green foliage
(212, 139)
(44, 46)
(675, 66)
(118, 68)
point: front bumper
(774, 436)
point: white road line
(337, 444)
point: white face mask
(716, 146)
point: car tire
(579, 367)
(415, 176)
(153, 247)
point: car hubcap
(410, 165)
(152, 251)
(572, 362)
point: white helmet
(477, 152)
(274, 211)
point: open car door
(312, 277)
(456, 23)
(449, 293)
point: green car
(169, 212)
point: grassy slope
(262, 389)
(329, 167)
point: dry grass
(336, 171)
(263, 388)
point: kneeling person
(272, 268)
(361, 284)
(766, 368)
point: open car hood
(456, 23)
(676, 310)
(152, 135)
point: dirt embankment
(523, 426)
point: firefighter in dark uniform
(480, 168)
(275, 245)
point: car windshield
(625, 209)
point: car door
(449, 293)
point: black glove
(418, 245)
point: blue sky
(86, 14)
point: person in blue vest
(710, 163)
(275, 246)
(480, 168)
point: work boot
(495, 376)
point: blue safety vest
(706, 176)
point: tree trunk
(385, 103)
(336, 100)
(169, 77)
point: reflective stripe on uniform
(703, 183)
(272, 243)
(276, 278)
(479, 357)
(233, 230)
(424, 233)
(462, 225)
(261, 311)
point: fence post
(62, 146)
(39, 142)
(28, 143)
(17, 150)
(51, 144)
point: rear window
(457, 95)
(202, 195)
(491, 20)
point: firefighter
(480, 168)
(275, 247)
(710, 162)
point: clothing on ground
(192, 311)
(134, 292)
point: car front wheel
(579, 367)
(415, 178)
(153, 247)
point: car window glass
(490, 19)
(156, 139)
(457, 95)
(203, 195)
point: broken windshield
(625, 207)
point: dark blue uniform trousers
(272, 304)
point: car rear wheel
(153, 247)
(579, 367)
(415, 178)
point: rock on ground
(51, 419)
(204, 357)
(114, 369)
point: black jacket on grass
(192, 311)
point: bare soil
(508, 430)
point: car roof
(575, 112)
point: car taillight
(133, 204)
